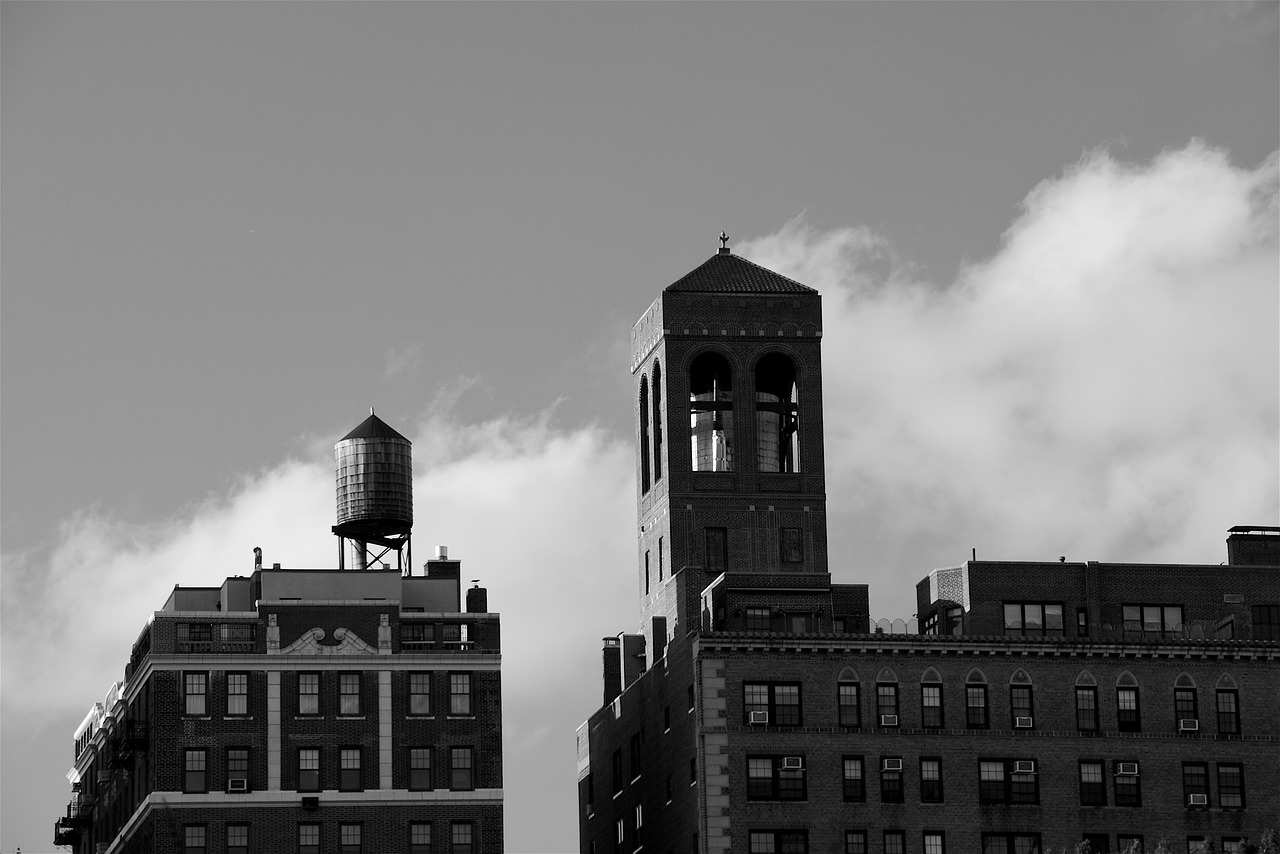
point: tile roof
(373, 427)
(725, 273)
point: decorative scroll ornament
(348, 643)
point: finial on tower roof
(724, 243)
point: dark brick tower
(728, 392)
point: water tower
(375, 495)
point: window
(309, 769)
(1129, 843)
(775, 778)
(895, 842)
(855, 787)
(1033, 619)
(1127, 715)
(779, 701)
(1020, 706)
(1099, 843)
(1093, 786)
(644, 434)
(237, 839)
(660, 562)
(850, 712)
(419, 693)
(195, 689)
(1233, 845)
(975, 705)
(693, 770)
(618, 779)
(1011, 843)
(195, 778)
(717, 548)
(646, 572)
(420, 837)
(934, 842)
(931, 706)
(308, 839)
(855, 842)
(193, 839)
(1152, 620)
(636, 751)
(1228, 712)
(1266, 622)
(237, 693)
(1082, 622)
(462, 836)
(887, 703)
(620, 835)
(349, 762)
(1086, 709)
(1184, 707)
(657, 439)
(1195, 784)
(238, 766)
(1128, 784)
(791, 545)
(711, 413)
(349, 835)
(778, 841)
(459, 693)
(777, 443)
(348, 693)
(195, 637)
(1231, 786)
(1007, 781)
(931, 780)
(891, 780)
(460, 768)
(417, 635)
(308, 693)
(420, 769)
(758, 619)
(639, 825)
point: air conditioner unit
(1188, 725)
(237, 784)
(891, 765)
(759, 717)
(1023, 723)
(1024, 766)
(888, 720)
(1198, 800)
(793, 763)
(1127, 769)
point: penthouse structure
(1034, 705)
(306, 710)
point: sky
(1046, 236)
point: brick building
(755, 711)
(302, 710)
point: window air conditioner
(1024, 766)
(1127, 769)
(1188, 725)
(891, 765)
(759, 717)
(793, 763)
(888, 720)
(237, 784)
(1198, 800)
(1023, 723)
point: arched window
(848, 699)
(644, 434)
(777, 433)
(711, 413)
(887, 698)
(657, 422)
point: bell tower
(731, 487)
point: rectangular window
(1033, 619)
(420, 769)
(618, 779)
(850, 710)
(237, 693)
(308, 693)
(791, 545)
(420, 837)
(459, 693)
(462, 836)
(891, 780)
(1007, 781)
(193, 839)
(460, 768)
(1087, 709)
(1128, 784)
(1231, 786)
(1127, 716)
(238, 768)
(349, 838)
(895, 842)
(1082, 622)
(1020, 707)
(1011, 843)
(1195, 784)
(778, 701)
(975, 705)
(414, 636)
(195, 778)
(758, 619)
(855, 842)
(237, 839)
(931, 780)
(1129, 843)
(887, 703)
(1228, 712)
(348, 693)
(1099, 843)
(195, 690)
(931, 706)
(717, 545)
(1093, 786)
(636, 752)
(1152, 620)
(1185, 707)
(855, 787)
(419, 693)
(934, 842)
(308, 839)
(1266, 622)
(349, 781)
(778, 841)
(309, 769)
(775, 778)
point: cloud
(1104, 387)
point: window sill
(460, 717)
(191, 717)
(420, 717)
(237, 717)
(352, 717)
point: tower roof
(726, 273)
(373, 427)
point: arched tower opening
(657, 422)
(644, 435)
(711, 413)
(777, 415)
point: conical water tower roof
(373, 427)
